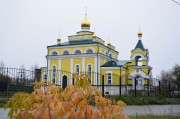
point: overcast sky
(27, 27)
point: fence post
(135, 86)
(73, 81)
(148, 87)
(120, 85)
(159, 87)
(178, 90)
(103, 85)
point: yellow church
(87, 53)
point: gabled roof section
(115, 63)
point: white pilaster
(59, 72)
(83, 64)
(99, 70)
(95, 70)
(48, 70)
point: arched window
(54, 53)
(77, 69)
(110, 55)
(77, 52)
(54, 75)
(106, 53)
(138, 61)
(66, 52)
(109, 78)
(89, 51)
(138, 80)
(89, 69)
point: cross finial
(139, 28)
(85, 10)
(59, 34)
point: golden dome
(108, 43)
(58, 39)
(139, 34)
(85, 22)
(94, 36)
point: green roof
(139, 45)
(75, 42)
(79, 42)
(115, 63)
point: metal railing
(15, 80)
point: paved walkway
(133, 110)
(152, 110)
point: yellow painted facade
(87, 53)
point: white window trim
(138, 54)
(53, 72)
(66, 50)
(79, 50)
(91, 70)
(107, 77)
(76, 70)
(54, 51)
(90, 49)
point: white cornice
(79, 56)
(71, 46)
(137, 67)
(95, 44)
(112, 68)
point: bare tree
(176, 72)
(22, 66)
(33, 67)
(2, 65)
(168, 83)
(166, 76)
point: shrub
(75, 102)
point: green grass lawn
(154, 117)
(145, 100)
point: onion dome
(59, 39)
(85, 22)
(139, 34)
(108, 43)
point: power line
(176, 2)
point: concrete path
(152, 110)
(133, 110)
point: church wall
(138, 51)
(77, 61)
(145, 70)
(72, 49)
(115, 76)
(144, 62)
(65, 66)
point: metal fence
(16, 80)
(21, 80)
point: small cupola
(59, 39)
